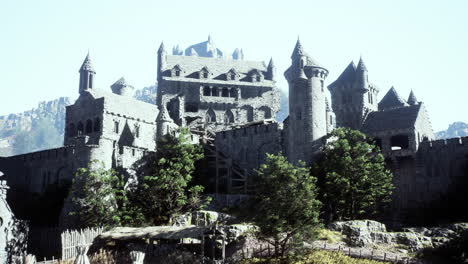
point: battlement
(251, 129)
(443, 143)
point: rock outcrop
(363, 233)
(456, 129)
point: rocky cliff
(11, 125)
(457, 129)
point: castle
(229, 104)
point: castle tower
(271, 70)
(307, 108)
(121, 87)
(87, 73)
(353, 96)
(412, 99)
(165, 124)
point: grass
(330, 236)
(315, 257)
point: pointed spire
(412, 99)
(271, 64)
(161, 48)
(236, 54)
(361, 65)
(87, 65)
(391, 100)
(209, 38)
(164, 114)
(298, 49)
(347, 76)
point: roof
(217, 66)
(391, 100)
(348, 75)
(397, 118)
(412, 99)
(121, 82)
(87, 65)
(126, 106)
(153, 232)
(204, 49)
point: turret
(164, 123)
(121, 87)
(87, 73)
(299, 59)
(361, 75)
(271, 70)
(353, 96)
(237, 54)
(412, 99)
(161, 60)
(307, 109)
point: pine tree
(285, 204)
(353, 179)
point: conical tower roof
(87, 65)
(271, 64)
(361, 66)
(121, 82)
(161, 48)
(347, 76)
(391, 100)
(412, 98)
(164, 114)
(298, 50)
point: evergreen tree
(285, 204)
(98, 198)
(353, 179)
(167, 188)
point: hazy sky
(419, 45)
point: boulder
(363, 232)
(201, 218)
(414, 241)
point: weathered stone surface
(202, 218)
(414, 241)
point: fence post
(384, 256)
(360, 253)
(372, 254)
(269, 255)
(349, 251)
(137, 257)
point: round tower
(307, 108)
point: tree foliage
(98, 198)
(285, 202)
(167, 190)
(352, 176)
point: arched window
(214, 91)
(225, 92)
(228, 117)
(233, 76)
(116, 127)
(206, 91)
(210, 116)
(80, 128)
(71, 130)
(97, 124)
(137, 131)
(233, 92)
(89, 126)
(205, 75)
(90, 80)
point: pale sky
(419, 45)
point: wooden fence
(73, 238)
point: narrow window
(137, 131)
(177, 73)
(225, 92)
(116, 127)
(206, 91)
(80, 129)
(205, 75)
(90, 80)
(89, 127)
(97, 125)
(233, 76)
(321, 84)
(258, 78)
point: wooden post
(325, 245)
(360, 253)
(213, 248)
(349, 251)
(269, 255)
(372, 254)
(202, 253)
(384, 256)
(223, 252)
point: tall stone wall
(248, 146)
(432, 183)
